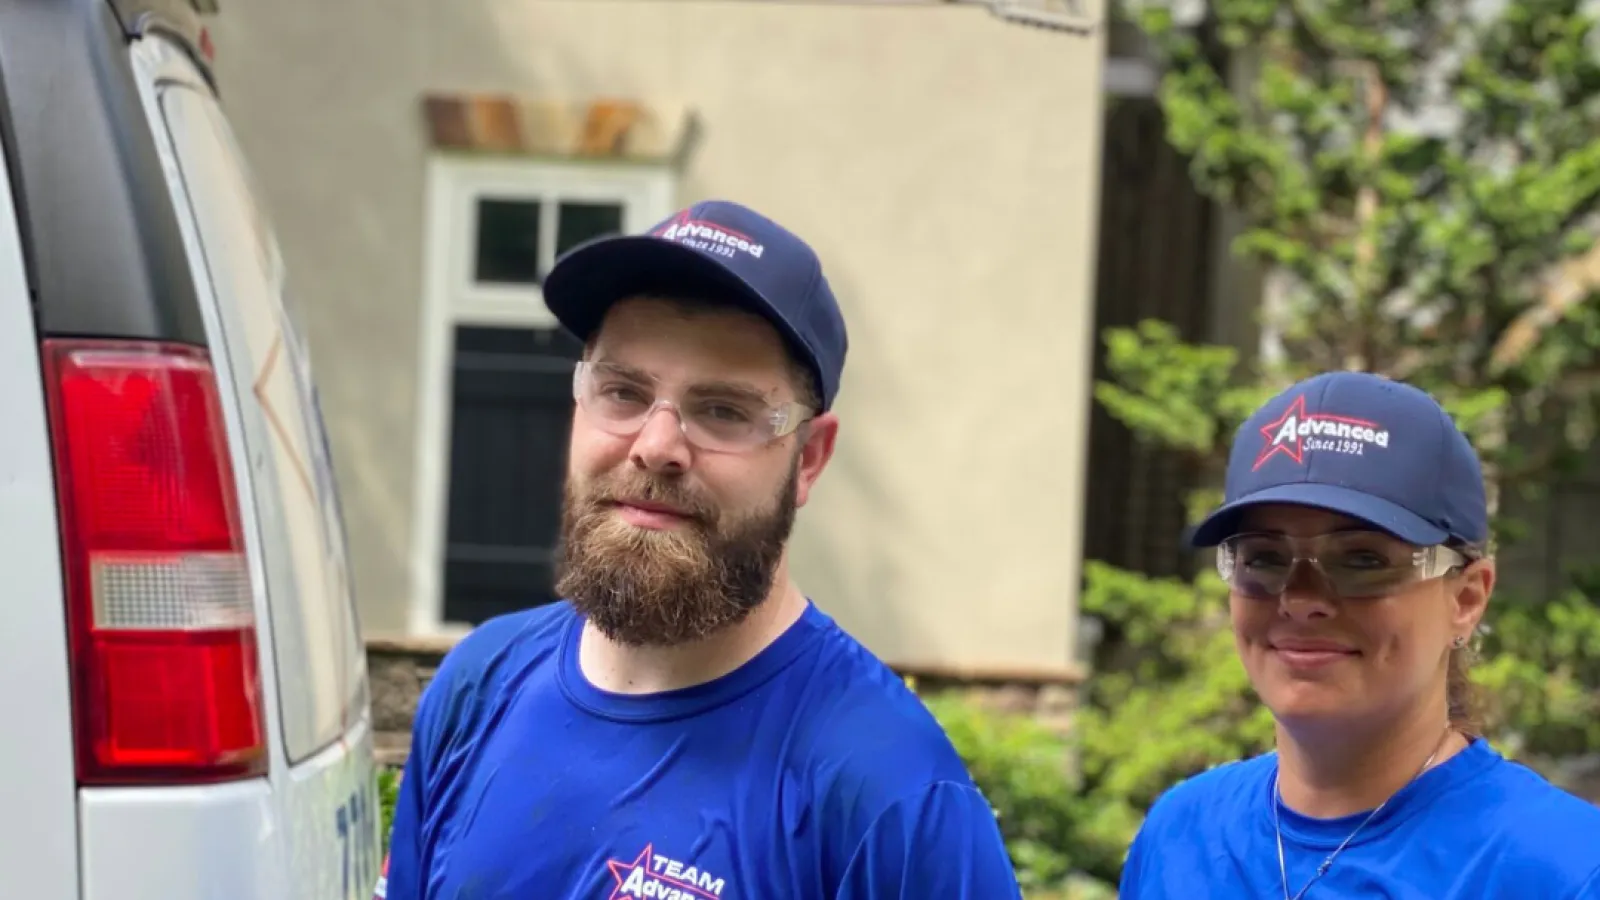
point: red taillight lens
(165, 671)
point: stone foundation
(399, 669)
(1051, 702)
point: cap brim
(584, 284)
(1375, 511)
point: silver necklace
(1277, 826)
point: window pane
(579, 222)
(508, 242)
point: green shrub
(388, 793)
(1025, 771)
(1539, 676)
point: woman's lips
(1301, 654)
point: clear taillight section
(163, 630)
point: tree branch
(1366, 303)
(1565, 288)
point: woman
(1353, 541)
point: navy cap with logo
(1361, 445)
(717, 250)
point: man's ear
(816, 448)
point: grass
(388, 793)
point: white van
(183, 692)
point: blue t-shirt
(1477, 827)
(810, 773)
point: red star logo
(621, 871)
(1295, 448)
(1297, 412)
(681, 218)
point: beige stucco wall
(942, 162)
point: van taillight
(163, 633)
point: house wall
(943, 163)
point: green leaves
(1022, 769)
(1175, 393)
(1398, 153)
(1540, 669)
(388, 795)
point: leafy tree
(1421, 180)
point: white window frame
(451, 297)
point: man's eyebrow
(739, 389)
(626, 371)
(721, 387)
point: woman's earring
(1459, 642)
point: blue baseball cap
(1357, 444)
(720, 250)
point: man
(687, 725)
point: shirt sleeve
(443, 708)
(1129, 887)
(942, 841)
(447, 713)
(405, 866)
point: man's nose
(661, 445)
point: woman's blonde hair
(1461, 694)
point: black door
(1149, 210)
(508, 451)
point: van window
(320, 663)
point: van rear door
(325, 788)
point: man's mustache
(649, 489)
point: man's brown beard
(643, 587)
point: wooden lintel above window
(610, 129)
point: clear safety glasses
(1354, 564)
(716, 418)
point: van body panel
(39, 850)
